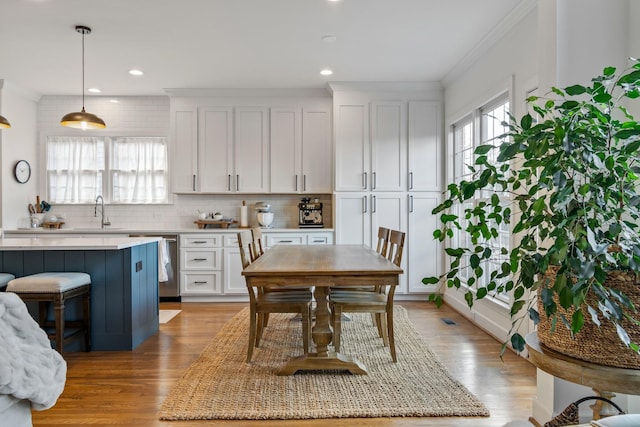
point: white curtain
(139, 170)
(75, 168)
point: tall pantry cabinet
(389, 170)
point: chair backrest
(245, 241)
(396, 246)
(257, 248)
(383, 241)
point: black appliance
(310, 214)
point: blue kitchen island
(124, 281)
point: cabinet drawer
(320, 239)
(196, 241)
(230, 240)
(195, 259)
(286, 239)
(200, 283)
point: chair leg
(378, 322)
(59, 316)
(384, 326)
(305, 329)
(265, 316)
(252, 333)
(261, 326)
(392, 343)
(337, 326)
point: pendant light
(82, 119)
(4, 123)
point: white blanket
(29, 368)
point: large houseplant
(571, 173)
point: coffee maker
(310, 213)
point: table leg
(322, 359)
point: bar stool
(58, 287)
(4, 279)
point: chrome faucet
(104, 221)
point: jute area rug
(220, 385)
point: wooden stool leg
(59, 316)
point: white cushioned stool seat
(4, 279)
(49, 282)
(57, 288)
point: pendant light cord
(83, 33)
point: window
(122, 169)
(480, 128)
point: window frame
(107, 185)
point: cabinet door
(425, 146)
(215, 149)
(185, 149)
(424, 254)
(316, 152)
(388, 146)
(234, 283)
(251, 155)
(285, 148)
(390, 210)
(353, 219)
(352, 146)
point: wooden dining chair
(262, 303)
(379, 303)
(382, 247)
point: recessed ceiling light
(326, 72)
(329, 39)
(94, 90)
(115, 101)
(136, 72)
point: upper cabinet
(239, 149)
(387, 145)
(424, 146)
(300, 150)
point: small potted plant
(565, 179)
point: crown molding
(521, 11)
(244, 92)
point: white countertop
(101, 231)
(72, 243)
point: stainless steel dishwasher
(169, 290)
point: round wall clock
(22, 171)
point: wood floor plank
(127, 388)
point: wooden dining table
(321, 267)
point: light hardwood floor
(127, 388)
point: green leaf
(481, 293)
(575, 90)
(474, 261)
(483, 149)
(609, 71)
(526, 121)
(517, 342)
(430, 280)
(577, 320)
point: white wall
(18, 142)
(510, 64)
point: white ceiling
(236, 43)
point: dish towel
(163, 260)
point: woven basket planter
(600, 345)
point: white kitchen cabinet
(220, 149)
(300, 150)
(251, 150)
(234, 283)
(298, 238)
(215, 162)
(200, 265)
(371, 148)
(422, 252)
(425, 146)
(184, 159)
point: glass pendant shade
(82, 119)
(4, 123)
